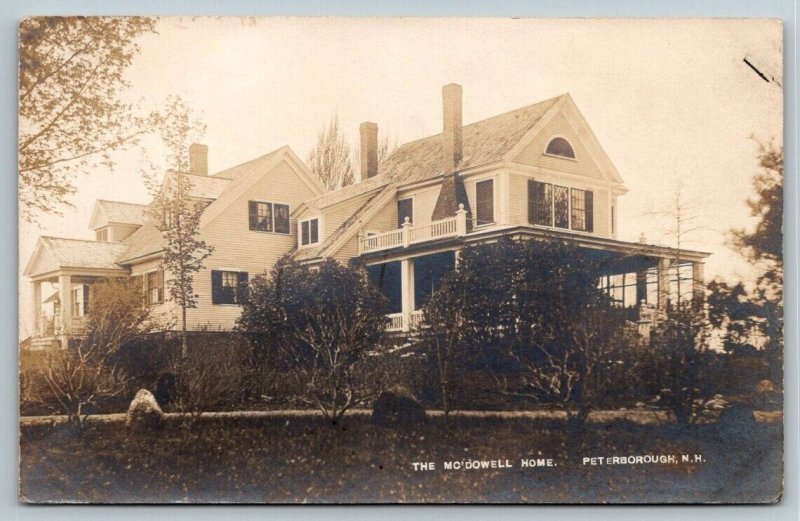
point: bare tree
(70, 113)
(331, 159)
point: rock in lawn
(397, 407)
(144, 412)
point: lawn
(300, 459)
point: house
(538, 171)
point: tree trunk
(183, 332)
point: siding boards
(534, 155)
(238, 248)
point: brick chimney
(198, 159)
(451, 132)
(369, 150)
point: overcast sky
(665, 98)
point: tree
(70, 113)
(321, 324)
(176, 214)
(530, 312)
(335, 162)
(331, 158)
(87, 371)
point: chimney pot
(198, 159)
(369, 150)
(452, 131)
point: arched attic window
(560, 147)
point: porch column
(407, 290)
(65, 294)
(641, 287)
(36, 292)
(698, 284)
(663, 283)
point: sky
(671, 101)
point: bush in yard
(529, 312)
(71, 379)
(319, 325)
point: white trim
(320, 231)
(560, 136)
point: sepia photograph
(400, 260)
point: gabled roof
(74, 253)
(145, 241)
(484, 142)
(108, 212)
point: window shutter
(252, 211)
(216, 287)
(241, 286)
(531, 201)
(589, 202)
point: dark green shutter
(241, 286)
(589, 203)
(252, 210)
(216, 287)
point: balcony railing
(410, 234)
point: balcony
(409, 234)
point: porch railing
(410, 234)
(396, 322)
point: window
(102, 235)
(540, 203)
(560, 147)
(309, 232)
(582, 210)
(78, 307)
(228, 287)
(560, 206)
(268, 217)
(405, 208)
(484, 196)
(154, 289)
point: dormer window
(560, 147)
(309, 232)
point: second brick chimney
(198, 159)
(451, 131)
(369, 150)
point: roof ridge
(93, 241)
(249, 161)
(484, 120)
(120, 202)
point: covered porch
(61, 272)
(644, 279)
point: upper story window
(268, 217)
(560, 206)
(560, 147)
(484, 202)
(405, 208)
(309, 232)
(228, 287)
(102, 235)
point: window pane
(560, 206)
(405, 208)
(314, 231)
(484, 194)
(304, 233)
(281, 218)
(541, 201)
(578, 209)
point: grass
(299, 459)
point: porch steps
(41, 343)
